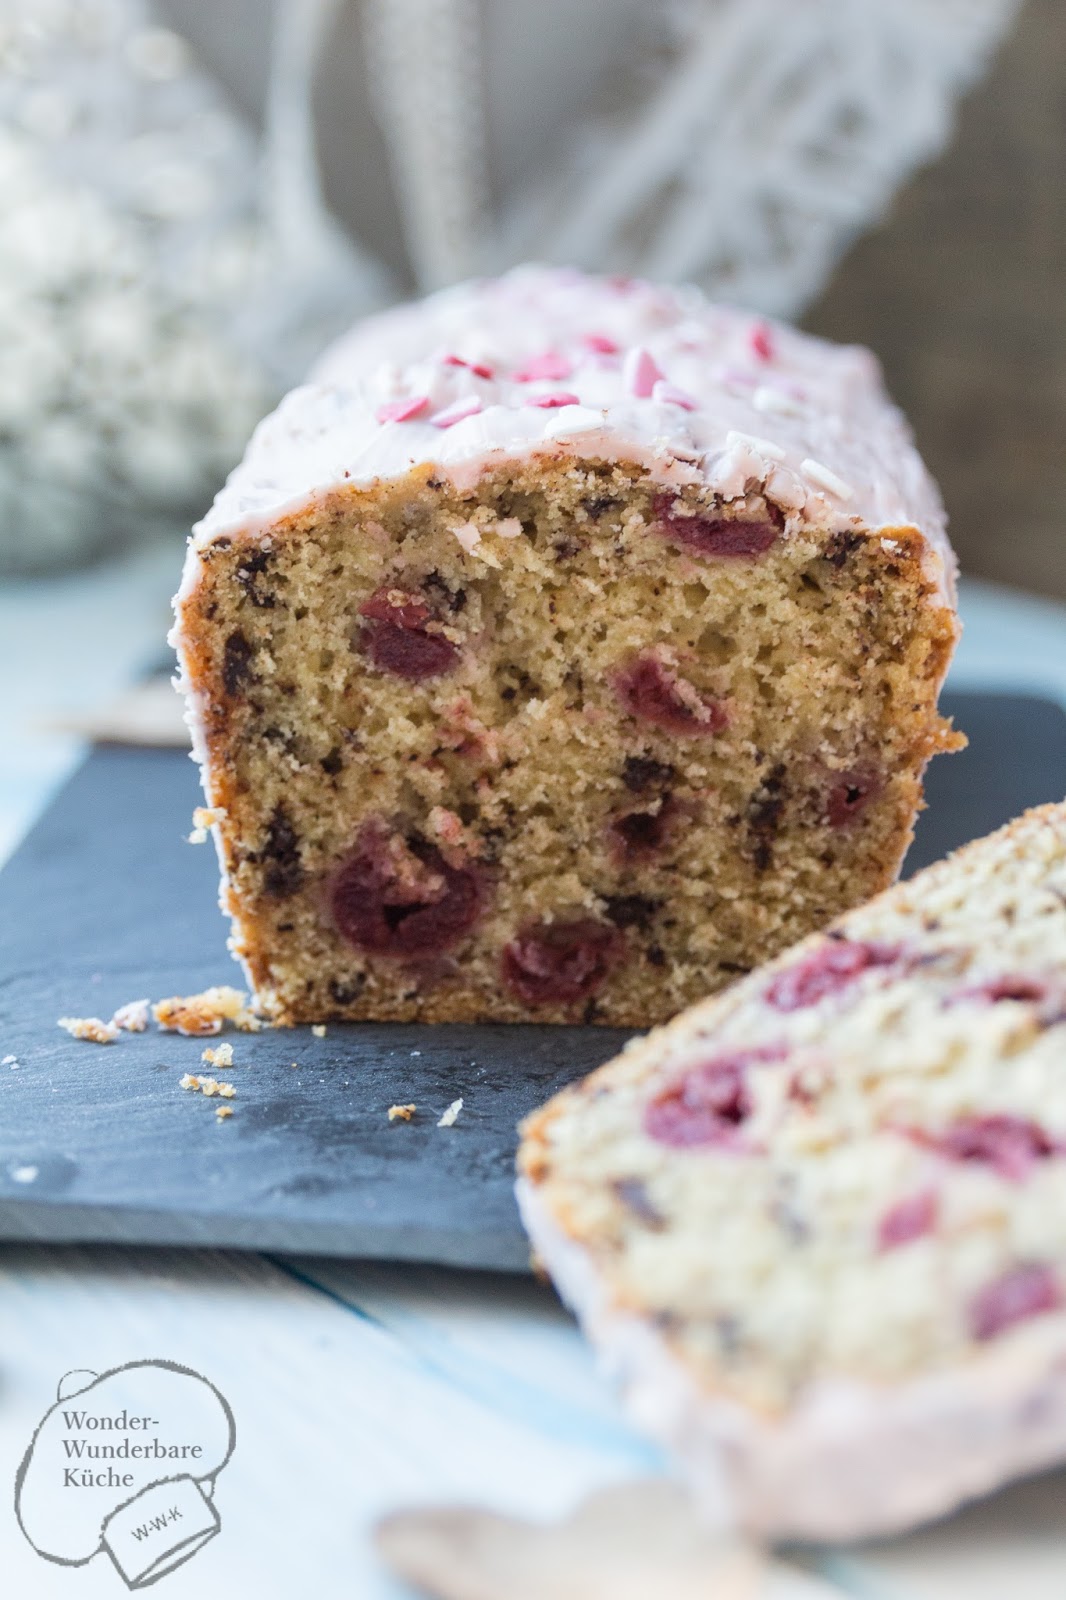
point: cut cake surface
(817, 1225)
(565, 648)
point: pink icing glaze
(546, 323)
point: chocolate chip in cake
(346, 993)
(598, 505)
(334, 762)
(252, 567)
(641, 773)
(841, 546)
(236, 663)
(631, 910)
(439, 590)
(280, 856)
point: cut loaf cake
(818, 1224)
(565, 648)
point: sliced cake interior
(513, 724)
(819, 1222)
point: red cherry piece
(557, 963)
(713, 536)
(653, 693)
(1023, 1292)
(1012, 1145)
(396, 639)
(909, 1219)
(850, 795)
(827, 970)
(708, 1104)
(397, 897)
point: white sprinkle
(891, 545)
(825, 478)
(452, 1112)
(416, 1052)
(764, 447)
(9, 1061)
(25, 1174)
(468, 535)
(775, 402)
(509, 528)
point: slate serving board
(105, 902)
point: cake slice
(565, 648)
(818, 1224)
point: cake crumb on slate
(220, 1056)
(402, 1113)
(90, 1028)
(207, 1086)
(133, 1016)
(319, 1030)
(449, 1117)
(198, 1014)
(222, 1112)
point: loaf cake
(563, 649)
(817, 1225)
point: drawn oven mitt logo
(126, 1462)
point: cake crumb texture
(849, 1169)
(572, 726)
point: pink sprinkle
(468, 405)
(908, 1219)
(599, 342)
(550, 364)
(761, 339)
(478, 368)
(639, 372)
(556, 397)
(669, 394)
(403, 410)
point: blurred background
(196, 194)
